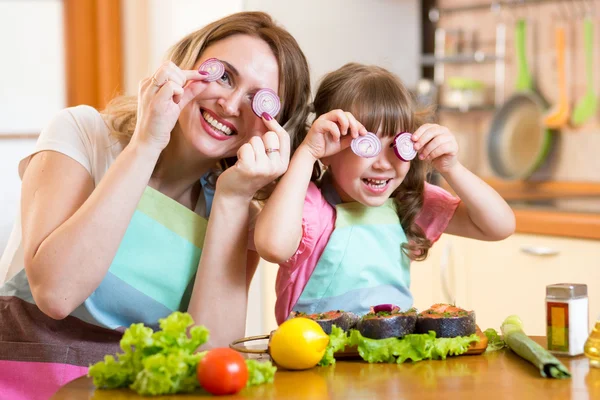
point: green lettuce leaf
(153, 363)
(495, 341)
(260, 372)
(415, 347)
(337, 342)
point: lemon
(298, 343)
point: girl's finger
(443, 149)
(417, 135)
(354, 125)
(431, 146)
(342, 121)
(427, 136)
(332, 128)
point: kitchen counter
(497, 375)
(569, 209)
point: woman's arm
(72, 231)
(220, 294)
(483, 214)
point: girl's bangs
(381, 106)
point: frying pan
(518, 142)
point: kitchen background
(432, 45)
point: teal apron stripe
(369, 268)
(358, 301)
(18, 286)
(105, 309)
(362, 265)
(165, 267)
(174, 216)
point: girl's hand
(435, 143)
(160, 101)
(260, 161)
(325, 135)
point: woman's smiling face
(220, 118)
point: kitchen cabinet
(497, 279)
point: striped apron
(362, 264)
(151, 276)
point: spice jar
(567, 318)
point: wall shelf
(429, 60)
(488, 108)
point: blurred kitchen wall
(32, 88)
(331, 32)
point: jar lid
(566, 290)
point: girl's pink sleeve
(317, 218)
(438, 208)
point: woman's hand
(260, 161)
(325, 135)
(435, 143)
(160, 101)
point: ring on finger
(270, 150)
(158, 85)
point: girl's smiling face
(220, 118)
(370, 181)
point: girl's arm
(279, 225)
(71, 230)
(483, 214)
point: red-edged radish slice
(404, 147)
(214, 67)
(266, 101)
(366, 146)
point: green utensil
(586, 106)
(524, 80)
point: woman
(114, 205)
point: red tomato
(222, 371)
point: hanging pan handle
(243, 349)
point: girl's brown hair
(294, 80)
(379, 101)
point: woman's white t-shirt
(79, 133)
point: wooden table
(497, 375)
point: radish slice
(214, 67)
(266, 101)
(404, 147)
(383, 307)
(366, 146)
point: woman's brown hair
(379, 101)
(294, 80)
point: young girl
(346, 241)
